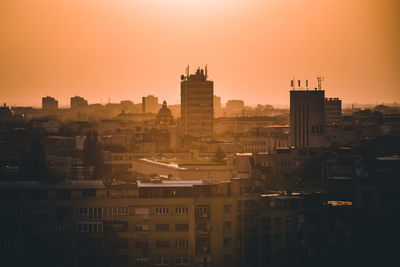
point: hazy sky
(125, 49)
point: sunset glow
(102, 49)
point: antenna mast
(320, 79)
(187, 71)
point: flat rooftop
(172, 183)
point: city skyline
(101, 50)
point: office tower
(78, 102)
(150, 104)
(307, 117)
(49, 103)
(197, 107)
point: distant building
(307, 118)
(150, 104)
(49, 103)
(164, 116)
(217, 106)
(234, 108)
(197, 107)
(78, 102)
(333, 111)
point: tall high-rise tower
(307, 117)
(197, 105)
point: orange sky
(125, 49)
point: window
(111, 212)
(142, 211)
(142, 262)
(202, 244)
(63, 194)
(182, 227)
(201, 227)
(227, 242)
(141, 244)
(162, 261)
(182, 261)
(182, 243)
(162, 227)
(162, 244)
(227, 209)
(90, 227)
(162, 210)
(227, 226)
(181, 210)
(83, 211)
(141, 227)
(266, 224)
(89, 192)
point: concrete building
(333, 111)
(264, 139)
(78, 102)
(49, 103)
(197, 107)
(194, 169)
(234, 108)
(150, 104)
(160, 223)
(217, 106)
(307, 118)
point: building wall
(333, 111)
(197, 107)
(307, 118)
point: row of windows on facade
(110, 212)
(144, 244)
(104, 212)
(161, 261)
(178, 261)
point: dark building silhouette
(164, 116)
(49, 103)
(78, 102)
(307, 118)
(197, 104)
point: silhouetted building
(78, 102)
(150, 104)
(49, 103)
(333, 111)
(307, 118)
(197, 107)
(164, 116)
(234, 108)
(217, 106)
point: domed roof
(164, 111)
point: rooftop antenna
(320, 79)
(187, 71)
(292, 83)
(205, 70)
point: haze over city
(127, 49)
(204, 133)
